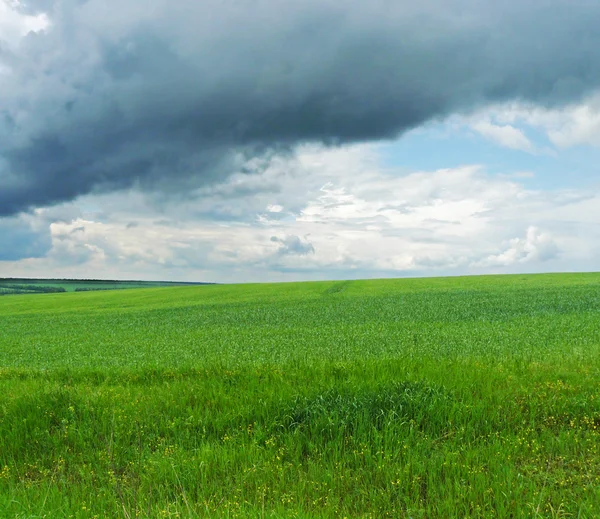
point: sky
(259, 140)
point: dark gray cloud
(170, 95)
(18, 240)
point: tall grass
(473, 397)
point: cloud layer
(168, 96)
(324, 213)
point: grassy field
(416, 398)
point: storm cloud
(20, 240)
(175, 95)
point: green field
(415, 398)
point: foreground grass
(472, 397)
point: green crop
(421, 398)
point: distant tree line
(4, 281)
(96, 289)
(28, 289)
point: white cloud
(535, 246)
(325, 213)
(505, 135)
(14, 24)
(274, 208)
(565, 127)
(570, 126)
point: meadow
(415, 398)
